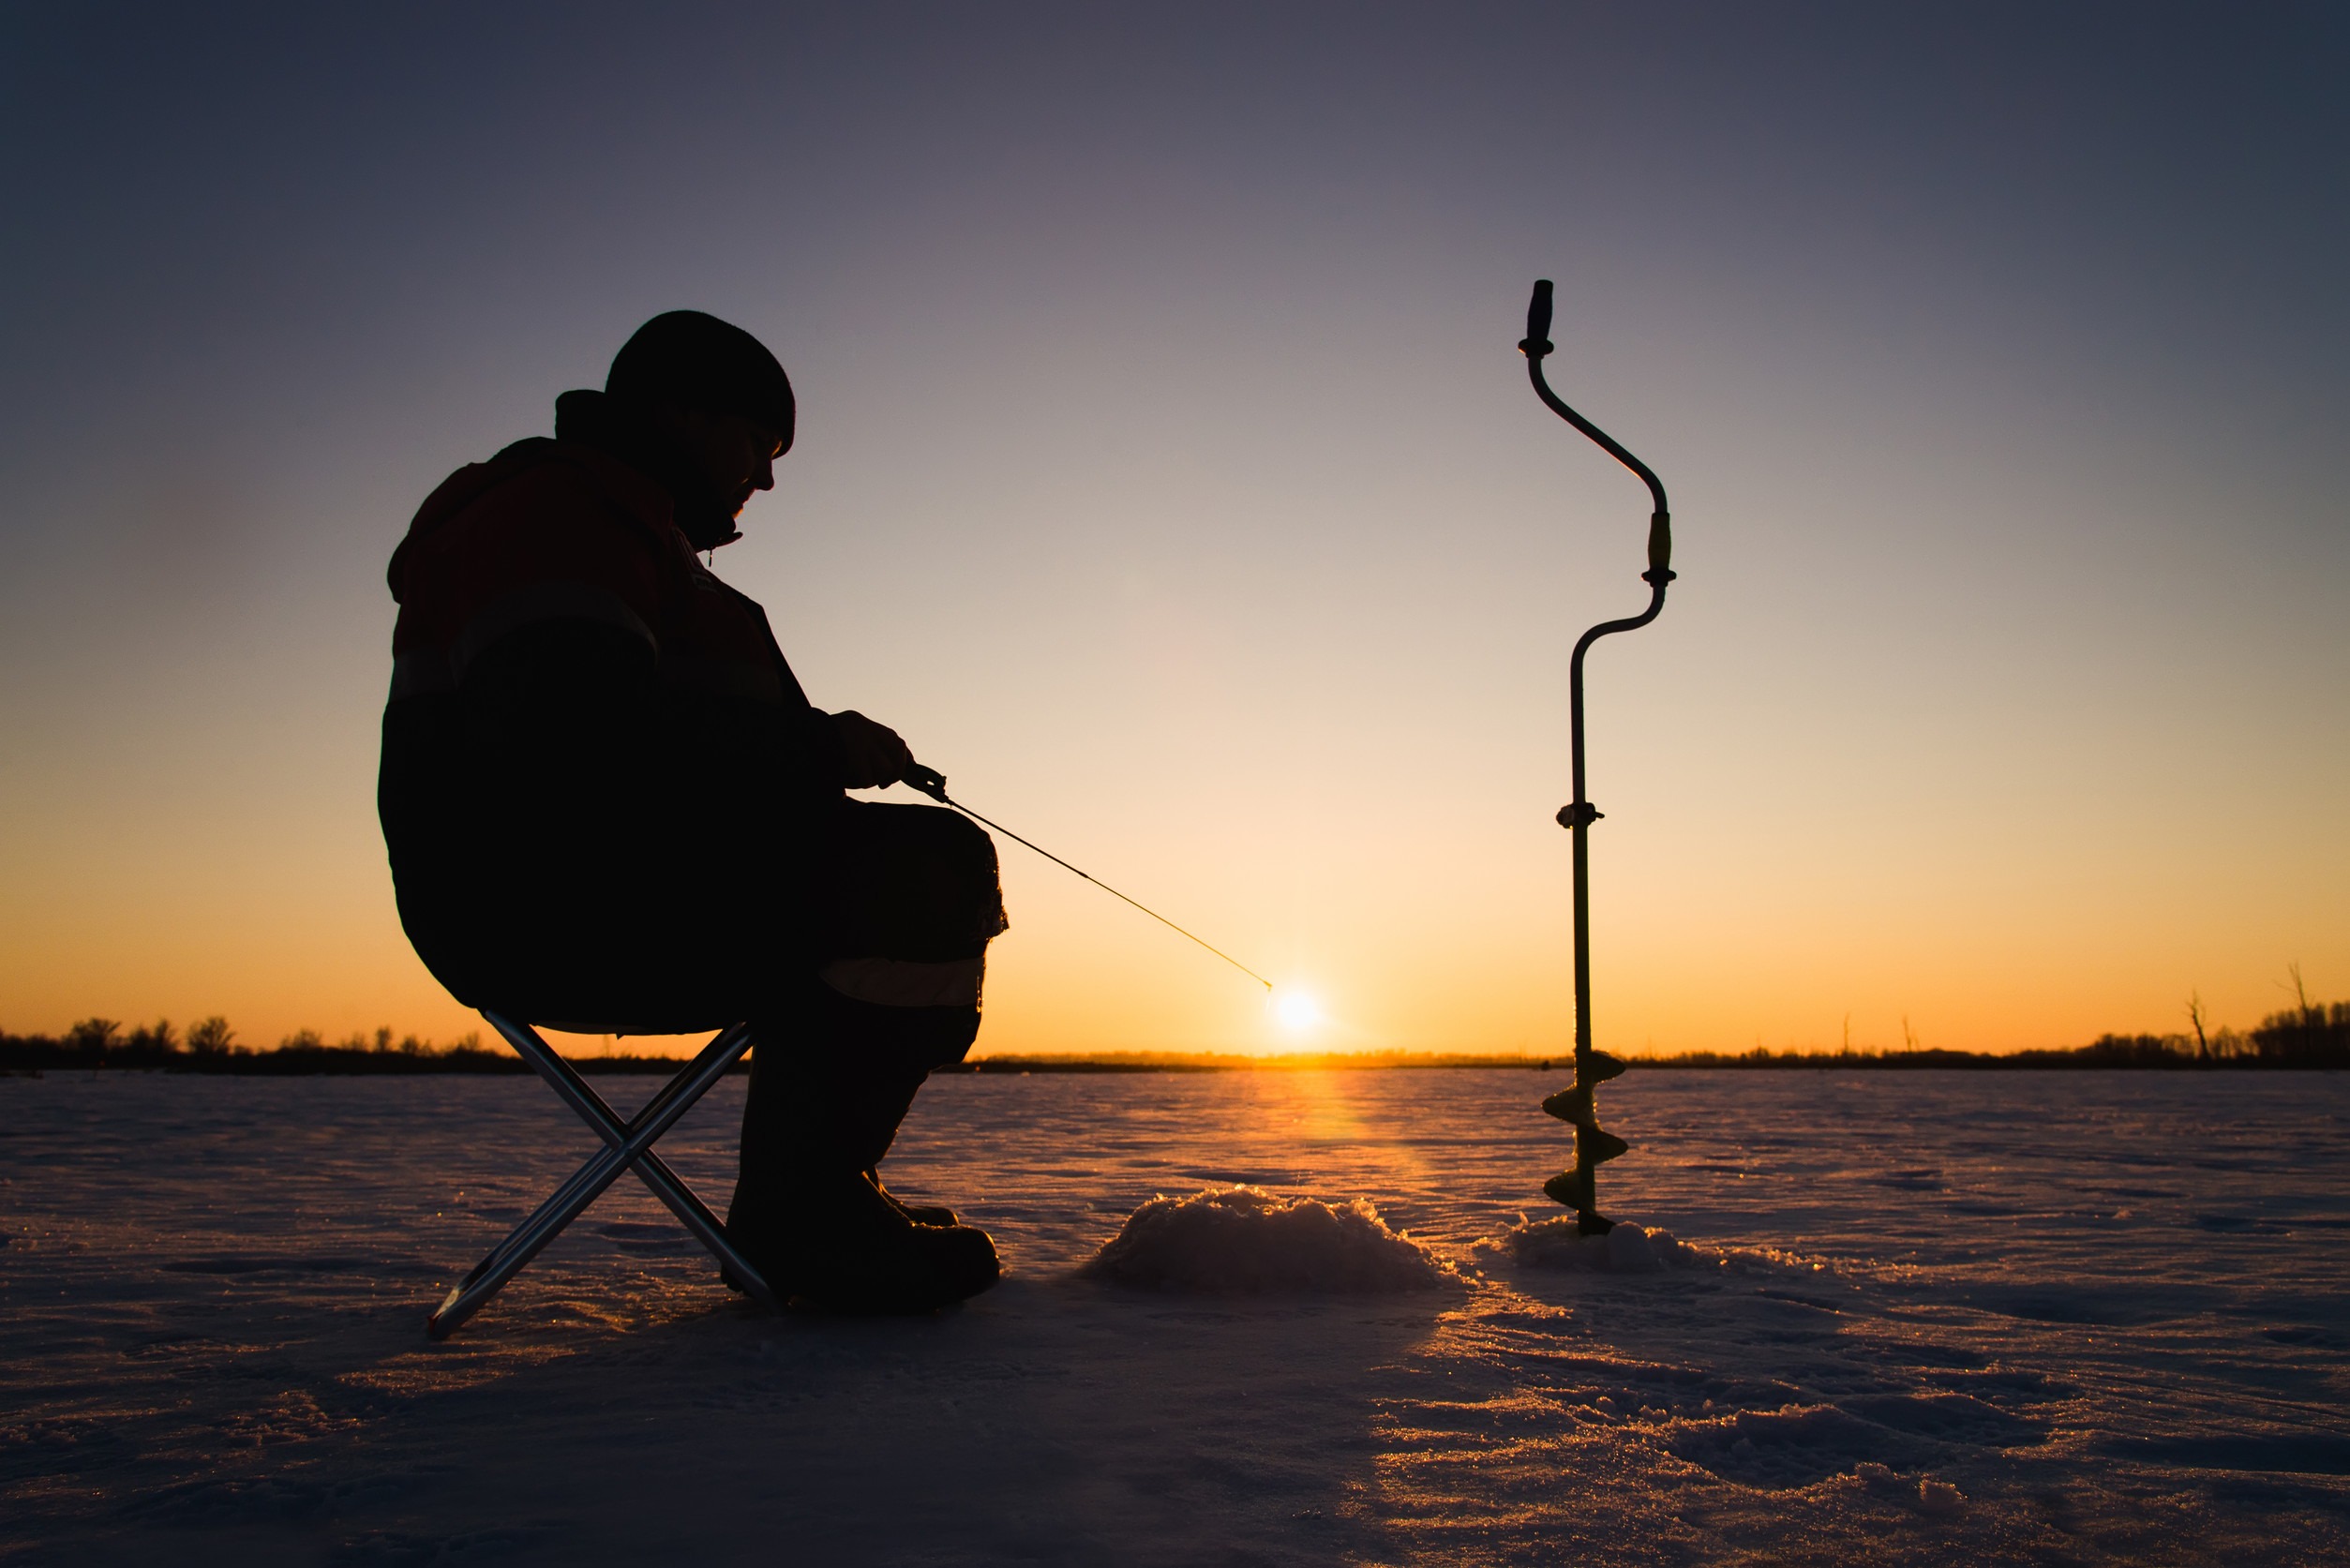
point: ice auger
(1578, 1104)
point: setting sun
(1296, 1010)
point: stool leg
(507, 1259)
(572, 1087)
(626, 1146)
(706, 1228)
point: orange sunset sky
(1168, 476)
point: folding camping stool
(628, 1146)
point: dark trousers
(696, 937)
(832, 1076)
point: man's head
(716, 392)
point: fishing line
(933, 783)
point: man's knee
(914, 882)
(953, 837)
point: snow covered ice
(1868, 1317)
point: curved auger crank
(1575, 1187)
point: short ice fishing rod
(1576, 1188)
(933, 783)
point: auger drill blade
(1597, 1067)
(1572, 1189)
(1571, 1105)
(1594, 1146)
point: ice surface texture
(1629, 1248)
(1246, 1241)
(1959, 1318)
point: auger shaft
(1577, 1187)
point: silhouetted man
(608, 801)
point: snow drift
(1628, 1248)
(1246, 1241)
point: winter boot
(920, 1214)
(834, 1243)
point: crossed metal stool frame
(627, 1147)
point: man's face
(737, 455)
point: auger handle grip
(928, 780)
(1537, 340)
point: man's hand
(876, 754)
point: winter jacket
(592, 742)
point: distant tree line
(2309, 1035)
(210, 1046)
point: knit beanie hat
(696, 361)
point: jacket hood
(634, 492)
(604, 437)
(458, 491)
